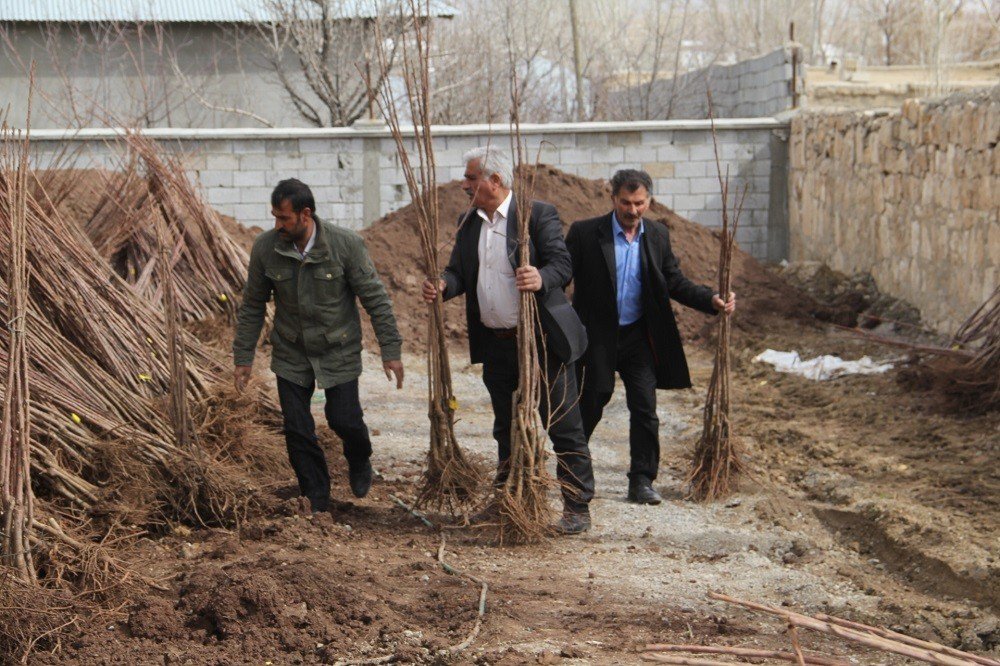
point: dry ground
(865, 501)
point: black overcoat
(566, 337)
(591, 246)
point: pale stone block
(222, 162)
(576, 156)
(689, 202)
(248, 179)
(260, 196)
(672, 186)
(591, 139)
(692, 169)
(562, 140)
(609, 154)
(704, 185)
(282, 163)
(223, 195)
(659, 169)
(256, 214)
(281, 147)
(706, 218)
(638, 154)
(672, 153)
(703, 153)
(625, 139)
(322, 160)
(212, 179)
(316, 177)
(317, 145)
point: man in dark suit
(624, 277)
(484, 267)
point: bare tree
(943, 13)
(316, 46)
(893, 18)
(471, 62)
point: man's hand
(394, 368)
(429, 293)
(528, 278)
(241, 375)
(728, 307)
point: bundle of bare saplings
(103, 360)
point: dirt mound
(764, 297)
(291, 589)
(853, 300)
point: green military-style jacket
(317, 330)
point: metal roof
(172, 11)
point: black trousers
(636, 366)
(573, 467)
(344, 416)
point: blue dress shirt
(629, 278)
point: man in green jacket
(316, 272)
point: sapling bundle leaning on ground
(524, 511)
(147, 188)
(100, 434)
(717, 461)
(450, 479)
(973, 385)
(16, 499)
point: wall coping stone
(222, 134)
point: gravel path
(672, 553)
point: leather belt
(628, 328)
(503, 333)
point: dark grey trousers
(344, 416)
(636, 367)
(573, 468)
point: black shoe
(641, 491)
(500, 478)
(573, 522)
(360, 476)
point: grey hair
(492, 160)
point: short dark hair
(295, 191)
(631, 180)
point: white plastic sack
(820, 368)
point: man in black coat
(484, 267)
(624, 277)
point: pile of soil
(764, 298)
(854, 300)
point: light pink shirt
(499, 300)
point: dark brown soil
(901, 496)
(392, 241)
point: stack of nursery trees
(126, 422)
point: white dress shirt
(309, 244)
(499, 300)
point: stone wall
(756, 88)
(912, 197)
(356, 177)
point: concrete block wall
(356, 177)
(912, 197)
(756, 88)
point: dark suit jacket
(566, 337)
(591, 245)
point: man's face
(630, 206)
(292, 226)
(482, 190)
